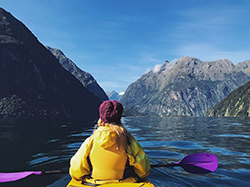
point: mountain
(188, 87)
(85, 78)
(236, 104)
(244, 66)
(32, 81)
(113, 95)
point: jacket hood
(105, 137)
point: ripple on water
(175, 144)
(74, 145)
(43, 160)
(233, 135)
(83, 134)
(223, 151)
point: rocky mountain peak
(223, 65)
(185, 65)
(6, 32)
(188, 61)
(244, 66)
(166, 62)
(14, 31)
(113, 95)
(187, 87)
(57, 53)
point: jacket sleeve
(79, 165)
(138, 158)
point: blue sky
(117, 41)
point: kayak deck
(74, 183)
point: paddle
(199, 163)
(9, 177)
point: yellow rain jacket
(107, 161)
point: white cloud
(121, 93)
(157, 68)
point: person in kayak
(111, 152)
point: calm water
(46, 145)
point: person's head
(110, 112)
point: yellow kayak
(74, 183)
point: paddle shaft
(52, 172)
(163, 165)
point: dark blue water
(46, 145)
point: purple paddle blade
(199, 163)
(8, 177)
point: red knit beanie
(111, 111)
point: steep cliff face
(33, 83)
(236, 104)
(188, 87)
(85, 78)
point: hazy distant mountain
(85, 78)
(113, 95)
(188, 87)
(237, 103)
(32, 81)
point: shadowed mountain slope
(32, 81)
(85, 78)
(236, 104)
